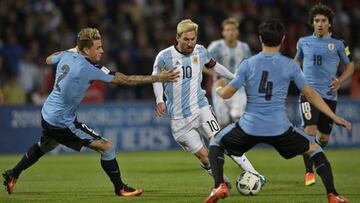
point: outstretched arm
(163, 76)
(315, 99)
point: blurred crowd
(134, 31)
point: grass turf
(174, 176)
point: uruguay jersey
(230, 57)
(320, 58)
(266, 78)
(74, 74)
(184, 97)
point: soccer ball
(248, 183)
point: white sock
(244, 163)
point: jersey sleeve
(344, 53)
(56, 57)
(240, 76)
(298, 75)
(159, 63)
(95, 72)
(299, 51)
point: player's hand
(160, 109)
(168, 75)
(335, 84)
(342, 122)
(220, 83)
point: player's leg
(108, 158)
(33, 154)
(323, 168)
(232, 140)
(310, 118)
(238, 104)
(294, 142)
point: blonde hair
(231, 21)
(186, 26)
(86, 37)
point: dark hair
(320, 9)
(271, 32)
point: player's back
(69, 89)
(267, 78)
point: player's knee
(311, 130)
(47, 147)
(314, 148)
(109, 153)
(322, 140)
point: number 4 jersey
(184, 97)
(74, 74)
(266, 78)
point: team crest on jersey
(195, 59)
(331, 46)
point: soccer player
(266, 77)
(74, 73)
(190, 113)
(320, 55)
(229, 51)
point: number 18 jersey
(266, 78)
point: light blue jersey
(320, 58)
(74, 74)
(266, 78)
(184, 97)
(229, 57)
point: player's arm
(50, 59)
(336, 83)
(163, 76)
(209, 72)
(224, 90)
(219, 69)
(315, 99)
(53, 58)
(158, 88)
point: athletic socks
(29, 158)
(216, 156)
(323, 168)
(308, 164)
(244, 163)
(111, 168)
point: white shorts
(227, 109)
(188, 132)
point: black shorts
(66, 136)
(289, 144)
(312, 116)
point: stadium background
(133, 32)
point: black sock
(111, 168)
(323, 168)
(29, 158)
(216, 156)
(308, 164)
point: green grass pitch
(174, 176)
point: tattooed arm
(163, 76)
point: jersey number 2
(266, 86)
(65, 70)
